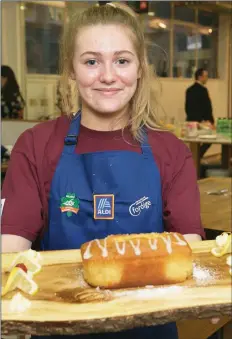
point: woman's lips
(108, 91)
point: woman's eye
(122, 61)
(91, 62)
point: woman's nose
(108, 74)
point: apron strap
(146, 148)
(70, 141)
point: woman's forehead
(103, 39)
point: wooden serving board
(65, 304)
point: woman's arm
(192, 237)
(182, 197)
(14, 243)
(21, 208)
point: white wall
(11, 130)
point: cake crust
(136, 260)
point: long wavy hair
(11, 87)
(143, 105)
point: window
(186, 41)
(207, 19)
(180, 38)
(157, 33)
(185, 14)
(43, 28)
(208, 33)
(158, 42)
(192, 34)
(160, 9)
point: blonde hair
(143, 103)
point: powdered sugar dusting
(148, 292)
(81, 280)
(159, 292)
(203, 275)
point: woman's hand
(192, 237)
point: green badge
(70, 204)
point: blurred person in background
(12, 102)
(198, 106)
(4, 153)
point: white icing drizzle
(103, 248)
(153, 244)
(136, 247)
(121, 247)
(87, 254)
(121, 250)
(168, 243)
(179, 241)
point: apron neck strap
(146, 148)
(70, 141)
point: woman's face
(105, 67)
(3, 81)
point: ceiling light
(162, 25)
(22, 7)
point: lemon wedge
(31, 259)
(216, 252)
(229, 260)
(21, 280)
(221, 239)
(224, 245)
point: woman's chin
(107, 109)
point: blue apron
(96, 194)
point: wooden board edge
(112, 324)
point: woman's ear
(139, 73)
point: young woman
(112, 147)
(12, 102)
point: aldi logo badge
(103, 206)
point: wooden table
(216, 216)
(195, 144)
(216, 209)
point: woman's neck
(103, 121)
